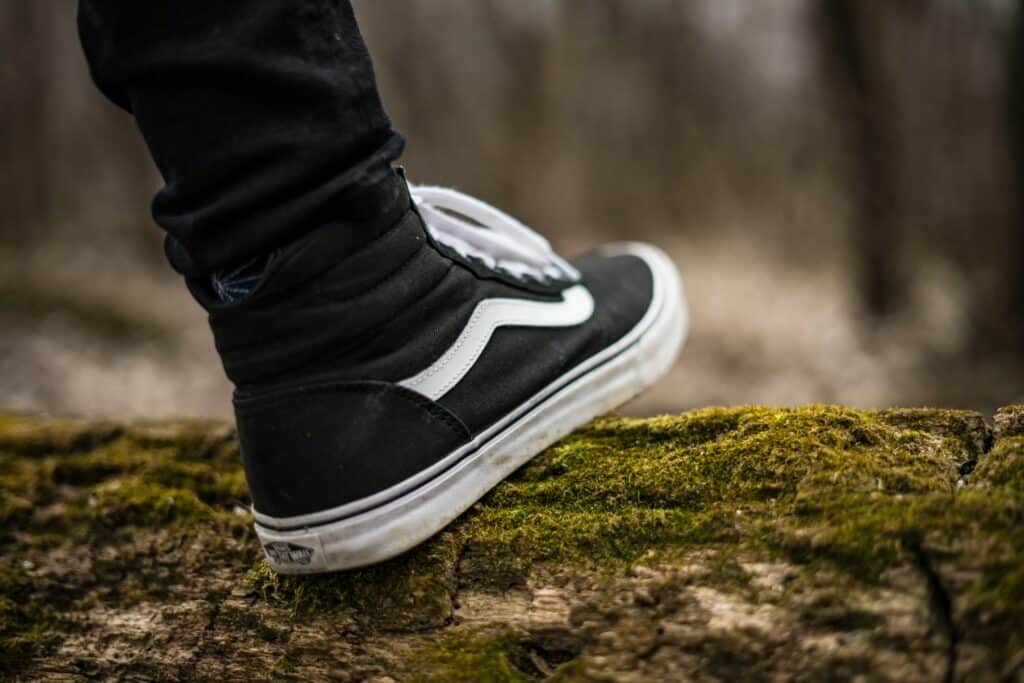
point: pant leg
(263, 117)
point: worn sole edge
(599, 384)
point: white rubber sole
(403, 517)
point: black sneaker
(390, 374)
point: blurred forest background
(840, 182)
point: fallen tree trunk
(736, 544)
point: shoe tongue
(476, 229)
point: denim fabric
(263, 117)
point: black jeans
(262, 115)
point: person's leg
(401, 349)
(263, 118)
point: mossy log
(814, 543)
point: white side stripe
(577, 306)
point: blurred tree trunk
(848, 30)
(1015, 251)
(606, 149)
(524, 100)
(25, 72)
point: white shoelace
(490, 235)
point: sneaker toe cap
(628, 280)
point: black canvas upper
(317, 350)
(318, 445)
(328, 306)
(520, 361)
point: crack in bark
(940, 603)
(966, 468)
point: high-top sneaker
(389, 374)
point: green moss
(994, 605)
(215, 482)
(20, 632)
(408, 593)
(212, 486)
(991, 515)
(768, 454)
(1003, 466)
(503, 546)
(622, 488)
(1009, 421)
(24, 489)
(132, 500)
(21, 622)
(118, 458)
(28, 435)
(853, 486)
(472, 657)
(815, 478)
(15, 510)
(53, 495)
